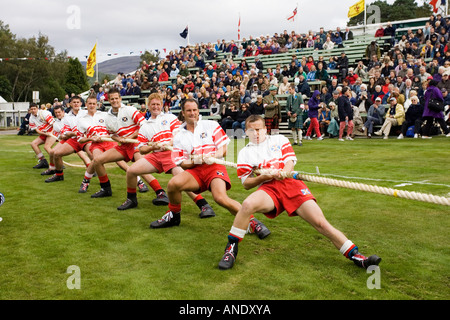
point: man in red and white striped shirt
(194, 143)
(68, 143)
(158, 131)
(276, 194)
(41, 121)
(122, 122)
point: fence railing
(11, 118)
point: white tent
(2, 100)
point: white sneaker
(320, 138)
(341, 140)
(307, 138)
(385, 137)
(448, 135)
(400, 136)
(349, 138)
(416, 135)
(426, 137)
(378, 133)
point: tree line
(32, 64)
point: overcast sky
(128, 26)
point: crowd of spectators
(399, 66)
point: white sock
(347, 245)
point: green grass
(48, 227)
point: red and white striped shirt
(127, 121)
(162, 129)
(70, 122)
(90, 126)
(42, 121)
(57, 126)
(208, 137)
(272, 153)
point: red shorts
(43, 137)
(287, 195)
(102, 146)
(75, 144)
(127, 150)
(162, 161)
(204, 174)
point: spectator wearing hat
(375, 116)
(272, 110)
(395, 116)
(444, 83)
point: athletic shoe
(207, 212)
(364, 262)
(48, 172)
(400, 136)
(349, 138)
(227, 261)
(386, 137)
(83, 188)
(320, 138)
(168, 220)
(416, 136)
(300, 144)
(128, 204)
(426, 137)
(161, 199)
(259, 228)
(307, 138)
(102, 193)
(341, 139)
(142, 186)
(448, 135)
(378, 133)
(369, 136)
(54, 178)
(42, 164)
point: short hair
(253, 118)
(75, 98)
(92, 96)
(155, 95)
(189, 100)
(33, 105)
(59, 107)
(114, 90)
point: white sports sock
(347, 244)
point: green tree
(75, 80)
(399, 10)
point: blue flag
(184, 33)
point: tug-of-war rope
(411, 195)
(347, 184)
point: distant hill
(114, 66)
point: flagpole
(365, 17)
(96, 60)
(189, 31)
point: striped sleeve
(138, 118)
(49, 118)
(143, 141)
(287, 152)
(220, 138)
(244, 168)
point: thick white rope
(346, 184)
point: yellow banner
(91, 62)
(356, 9)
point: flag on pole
(91, 62)
(184, 33)
(294, 13)
(356, 9)
(239, 28)
(436, 4)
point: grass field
(46, 228)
